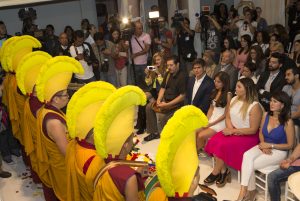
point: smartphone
(152, 68)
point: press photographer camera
(177, 20)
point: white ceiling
(4, 3)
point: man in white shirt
(84, 54)
(200, 87)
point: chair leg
(266, 187)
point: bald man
(64, 48)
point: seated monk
(113, 138)
(177, 148)
(52, 138)
(83, 163)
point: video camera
(26, 13)
(177, 19)
(127, 29)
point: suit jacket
(201, 99)
(232, 72)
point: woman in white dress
(220, 99)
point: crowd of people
(246, 83)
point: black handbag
(207, 196)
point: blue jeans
(278, 176)
(104, 76)
(140, 75)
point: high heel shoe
(211, 179)
(224, 178)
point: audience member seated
(228, 44)
(64, 47)
(243, 52)
(276, 138)
(241, 133)
(257, 56)
(227, 67)
(271, 80)
(293, 90)
(170, 97)
(51, 43)
(262, 24)
(154, 77)
(84, 54)
(296, 54)
(287, 167)
(199, 87)
(261, 38)
(249, 70)
(210, 64)
(219, 102)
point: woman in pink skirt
(241, 133)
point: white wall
(58, 14)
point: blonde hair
(251, 96)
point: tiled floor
(21, 188)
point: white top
(88, 70)
(143, 39)
(196, 86)
(90, 40)
(236, 115)
(244, 28)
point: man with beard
(271, 81)
(293, 90)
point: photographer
(83, 52)
(185, 41)
(107, 68)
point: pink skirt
(231, 148)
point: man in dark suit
(226, 66)
(199, 87)
(271, 81)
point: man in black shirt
(170, 97)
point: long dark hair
(285, 113)
(259, 54)
(225, 79)
(112, 30)
(247, 38)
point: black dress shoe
(151, 136)
(4, 174)
(211, 179)
(140, 132)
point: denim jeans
(278, 176)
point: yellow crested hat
(84, 105)
(29, 69)
(115, 120)
(55, 76)
(18, 48)
(4, 52)
(176, 158)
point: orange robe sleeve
(157, 195)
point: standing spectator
(186, 49)
(84, 54)
(262, 24)
(287, 167)
(219, 103)
(120, 56)
(170, 97)
(140, 43)
(163, 40)
(296, 54)
(261, 38)
(271, 81)
(243, 52)
(214, 36)
(293, 90)
(51, 43)
(228, 44)
(294, 20)
(227, 67)
(85, 25)
(208, 57)
(70, 34)
(257, 57)
(246, 26)
(64, 48)
(3, 33)
(241, 133)
(106, 70)
(221, 11)
(90, 35)
(199, 86)
(276, 138)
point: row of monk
(81, 155)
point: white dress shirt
(197, 85)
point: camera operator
(163, 41)
(185, 42)
(107, 68)
(212, 34)
(84, 54)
